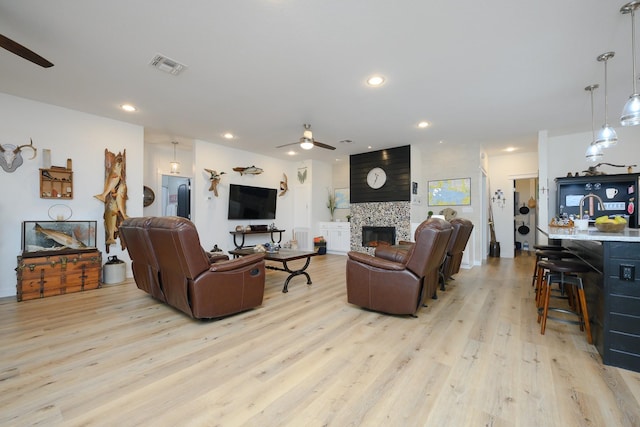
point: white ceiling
(491, 72)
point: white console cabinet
(337, 235)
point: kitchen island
(612, 289)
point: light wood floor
(474, 357)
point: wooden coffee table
(284, 256)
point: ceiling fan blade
(323, 145)
(286, 145)
(22, 51)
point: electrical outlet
(627, 272)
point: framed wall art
(450, 192)
(342, 198)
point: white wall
(210, 212)
(68, 134)
(444, 162)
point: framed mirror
(148, 196)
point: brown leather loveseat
(169, 263)
(462, 229)
(399, 282)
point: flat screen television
(247, 202)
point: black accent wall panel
(396, 163)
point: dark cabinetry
(622, 304)
(618, 193)
(613, 297)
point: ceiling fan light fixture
(307, 134)
(306, 144)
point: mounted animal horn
(11, 157)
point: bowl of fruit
(611, 225)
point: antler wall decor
(11, 156)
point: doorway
(525, 215)
(176, 196)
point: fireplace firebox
(375, 236)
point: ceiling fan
(307, 142)
(22, 51)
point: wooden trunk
(44, 276)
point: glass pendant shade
(606, 136)
(594, 153)
(631, 111)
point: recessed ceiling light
(510, 149)
(291, 153)
(375, 81)
(424, 124)
(128, 107)
(228, 135)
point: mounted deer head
(11, 156)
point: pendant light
(594, 152)
(175, 165)
(631, 111)
(606, 136)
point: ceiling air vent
(167, 65)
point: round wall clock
(148, 196)
(376, 178)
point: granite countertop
(628, 235)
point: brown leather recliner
(169, 263)
(399, 282)
(144, 263)
(462, 229)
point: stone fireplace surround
(379, 214)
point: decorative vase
(494, 249)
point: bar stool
(538, 273)
(566, 274)
(542, 248)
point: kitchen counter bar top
(628, 235)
